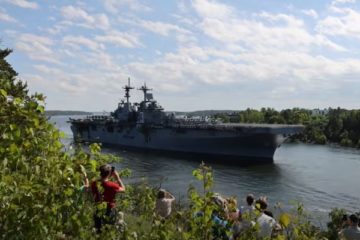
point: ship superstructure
(145, 126)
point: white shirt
(247, 209)
(163, 206)
(351, 233)
(266, 224)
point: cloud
(158, 27)
(268, 57)
(335, 2)
(311, 12)
(24, 4)
(80, 17)
(80, 41)
(70, 82)
(47, 70)
(37, 47)
(272, 71)
(347, 25)
(5, 17)
(162, 28)
(182, 35)
(115, 6)
(265, 30)
(120, 39)
(212, 9)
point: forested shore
(336, 125)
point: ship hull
(243, 145)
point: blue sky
(195, 54)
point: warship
(147, 127)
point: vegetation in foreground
(40, 182)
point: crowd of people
(226, 216)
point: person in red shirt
(104, 192)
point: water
(321, 177)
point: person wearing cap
(104, 191)
(352, 232)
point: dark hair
(269, 213)
(262, 204)
(105, 170)
(354, 219)
(161, 194)
(250, 199)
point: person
(120, 223)
(352, 232)
(163, 203)
(265, 220)
(104, 192)
(249, 208)
(233, 211)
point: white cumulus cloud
(346, 25)
(116, 6)
(6, 17)
(24, 4)
(37, 47)
(310, 12)
(120, 39)
(81, 41)
(80, 17)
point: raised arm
(119, 181)
(170, 196)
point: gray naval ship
(145, 126)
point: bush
(39, 181)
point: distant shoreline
(51, 113)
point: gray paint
(145, 126)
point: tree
(39, 181)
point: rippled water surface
(321, 177)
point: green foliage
(338, 125)
(39, 181)
(335, 225)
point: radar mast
(127, 93)
(145, 89)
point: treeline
(51, 113)
(338, 125)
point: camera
(112, 169)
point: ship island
(146, 127)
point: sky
(195, 54)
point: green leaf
(3, 93)
(68, 192)
(62, 134)
(36, 122)
(12, 127)
(17, 101)
(285, 219)
(13, 148)
(40, 108)
(93, 164)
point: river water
(321, 177)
